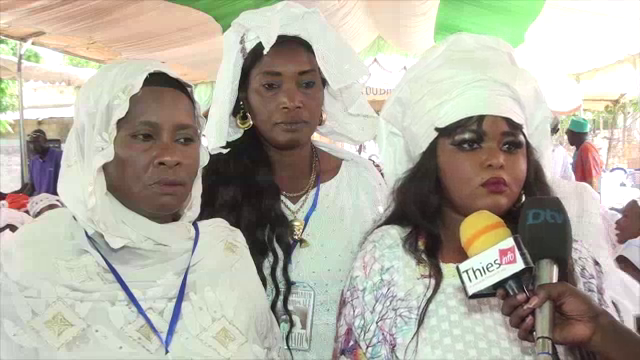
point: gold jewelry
(323, 118)
(243, 119)
(311, 179)
(296, 225)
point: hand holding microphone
(577, 321)
(574, 318)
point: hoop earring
(520, 201)
(323, 118)
(243, 119)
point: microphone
(496, 258)
(546, 233)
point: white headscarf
(465, 75)
(101, 102)
(350, 118)
(39, 202)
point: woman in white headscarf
(471, 121)
(285, 75)
(124, 271)
(42, 203)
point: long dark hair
(418, 206)
(239, 187)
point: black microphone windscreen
(545, 230)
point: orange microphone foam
(482, 230)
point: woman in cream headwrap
(471, 121)
(285, 74)
(42, 203)
(124, 271)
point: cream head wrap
(39, 202)
(101, 102)
(350, 118)
(465, 75)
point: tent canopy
(69, 75)
(553, 39)
(108, 30)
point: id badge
(301, 306)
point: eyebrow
(510, 133)
(147, 123)
(154, 125)
(278, 73)
(482, 133)
(181, 127)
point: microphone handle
(514, 286)
(546, 273)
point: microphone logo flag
(480, 273)
(508, 255)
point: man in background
(44, 167)
(587, 164)
(561, 162)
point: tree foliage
(80, 63)
(9, 88)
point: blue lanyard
(310, 212)
(176, 308)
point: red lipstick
(496, 185)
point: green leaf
(80, 63)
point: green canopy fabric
(506, 19)
(203, 93)
(225, 11)
(381, 46)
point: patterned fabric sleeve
(369, 305)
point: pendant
(297, 226)
(304, 243)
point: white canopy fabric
(69, 75)
(108, 30)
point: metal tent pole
(23, 143)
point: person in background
(42, 203)
(44, 166)
(124, 268)
(628, 227)
(483, 149)
(302, 205)
(587, 164)
(560, 159)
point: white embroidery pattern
(58, 324)
(141, 333)
(224, 337)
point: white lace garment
(348, 206)
(59, 300)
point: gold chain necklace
(297, 225)
(311, 179)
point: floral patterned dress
(381, 303)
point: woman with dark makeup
(472, 122)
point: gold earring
(243, 119)
(323, 118)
